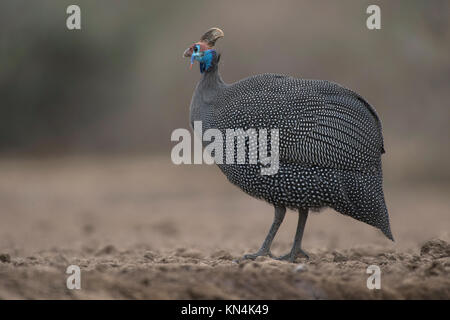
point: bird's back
(320, 122)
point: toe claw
(253, 256)
(283, 257)
(291, 257)
(305, 254)
(249, 256)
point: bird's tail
(365, 201)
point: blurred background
(120, 85)
(86, 115)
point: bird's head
(203, 51)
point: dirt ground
(143, 228)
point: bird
(329, 146)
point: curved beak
(187, 53)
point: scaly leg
(265, 248)
(297, 246)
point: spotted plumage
(330, 143)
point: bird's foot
(291, 257)
(260, 253)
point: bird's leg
(265, 248)
(297, 246)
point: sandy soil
(144, 228)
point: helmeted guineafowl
(330, 142)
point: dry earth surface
(141, 227)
